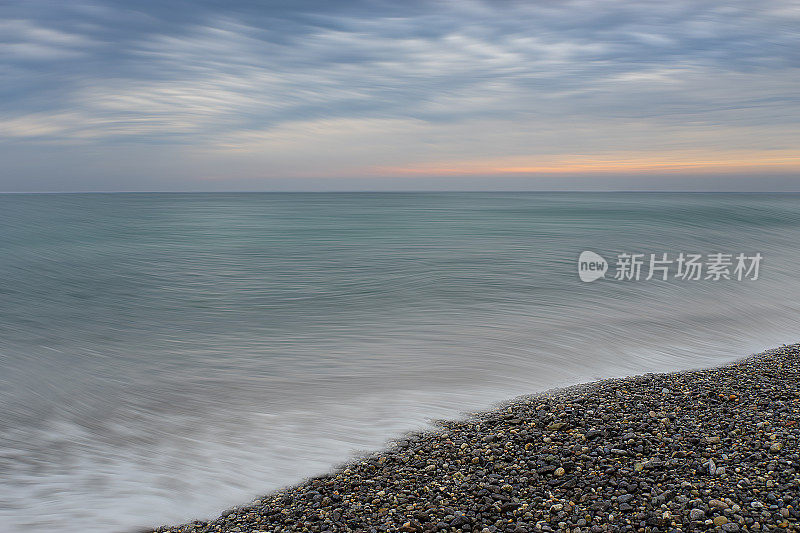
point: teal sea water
(165, 356)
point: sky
(113, 95)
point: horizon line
(412, 191)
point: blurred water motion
(164, 356)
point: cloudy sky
(300, 94)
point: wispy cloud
(26, 40)
(592, 75)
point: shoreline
(713, 449)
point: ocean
(166, 356)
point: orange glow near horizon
(678, 162)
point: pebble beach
(713, 449)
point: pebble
(717, 504)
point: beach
(713, 449)
(376, 266)
(234, 345)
